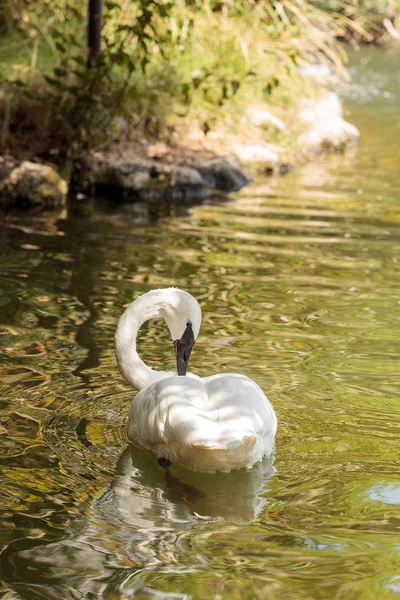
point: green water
(299, 281)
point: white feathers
(222, 422)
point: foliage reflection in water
(299, 285)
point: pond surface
(299, 281)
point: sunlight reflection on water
(387, 493)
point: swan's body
(216, 423)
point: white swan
(216, 423)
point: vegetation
(363, 20)
(159, 61)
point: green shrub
(158, 58)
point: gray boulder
(142, 178)
(223, 173)
(147, 179)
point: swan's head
(182, 315)
(180, 311)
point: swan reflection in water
(181, 495)
(130, 523)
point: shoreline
(218, 163)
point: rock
(129, 174)
(185, 176)
(149, 179)
(5, 169)
(224, 174)
(317, 71)
(320, 73)
(327, 130)
(261, 117)
(33, 184)
(265, 154)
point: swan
(218, 423)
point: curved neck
(132, 368)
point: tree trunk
(94, 31)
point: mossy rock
(33, 184)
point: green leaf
(51, 80)
(78, 59)
(59, 72)
(73, 89)
(100, 60)
(186, 92)
(206, 128)
(79, 74)
(75, 11)
(235, 85)
(268, 89)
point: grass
(363, 20)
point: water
(299, 281)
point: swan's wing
(222, 412)
(242, 405)
(173, 410)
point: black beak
(183, 349)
